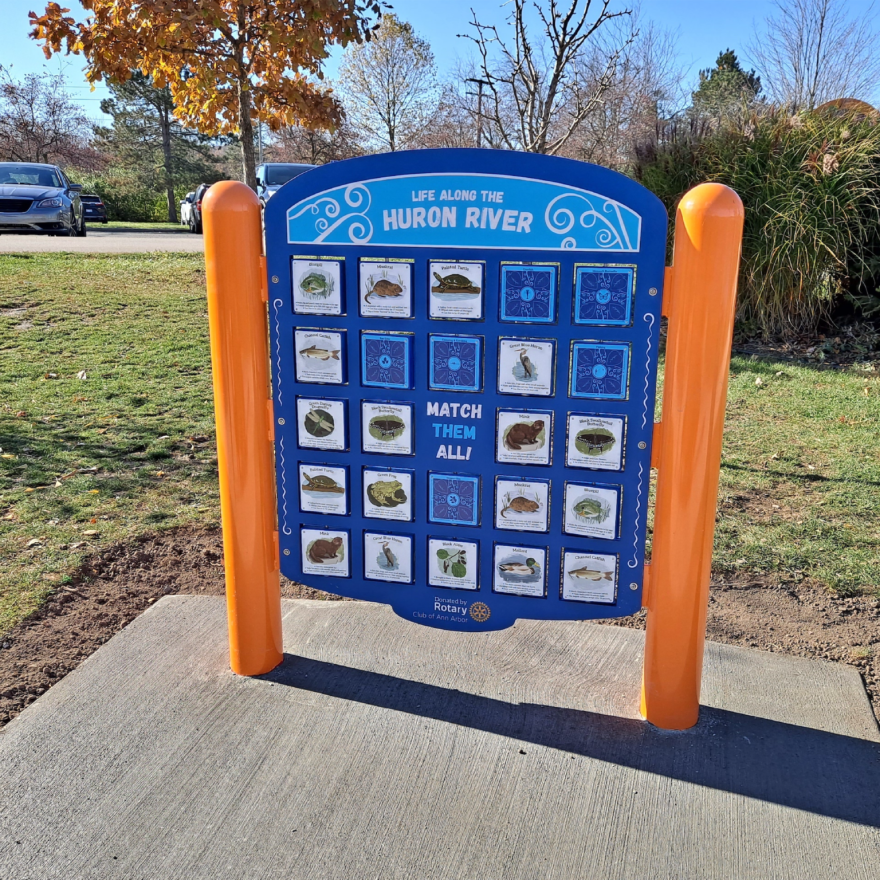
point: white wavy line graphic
(276, 303)
(284, 527)
(650, 320)
(634, 562)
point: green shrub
(810, 185)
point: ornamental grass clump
(810, 185)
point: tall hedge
(810, 185)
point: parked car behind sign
(271, 176)
(186, 208)
(39, 199)
(195, 224)
(94, 208)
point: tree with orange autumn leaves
(226, 62)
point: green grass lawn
(129, 448)
(144, 227)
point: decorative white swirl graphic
(276, 304)
(650, 320)
(608, 232)
(284, 527)
(634, 562)
(330, 214)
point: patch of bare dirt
(114, 586)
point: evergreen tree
(146, 139)
(726, 89)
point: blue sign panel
(464, 355)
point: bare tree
(300, 144)
(39, 122)
(812, 51)
(646, 87)
(539, 93)
(389, 86)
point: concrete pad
(380, 749)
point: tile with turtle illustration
(325, 552)
(589, 577)
(526, 366)
(592, 511)
(387, 427)
(385, 289)
(321, 424)
(595, 442)
(522, 505)
(388, 494)
(388, 558)
(528, 292)
(453, 564)
(524, 437)
(599, 370)
(317, 286)
(455, 290)
(320, 356)
(454, 499)
(323, 488)
(603, 295)
(386, 360)
(455, 362)
(519, 571)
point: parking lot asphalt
(107, 241)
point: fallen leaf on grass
(82, 375)
(50, 376)
(759, 381)
(51, 576)
(94, 491)
(89, 532)
(77, 544)
(34, 541)
(7, 455)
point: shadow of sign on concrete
(798, 767)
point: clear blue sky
(704, 28)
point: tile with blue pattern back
(455, 363)
(528, 293)
(386, 360)
(454, 499)
(599, 370)
(603, 295)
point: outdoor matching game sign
(464, 356)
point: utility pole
(480, 83)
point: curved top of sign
(484, 199)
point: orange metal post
(708, 236)
(240, 358)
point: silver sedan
(39, 199)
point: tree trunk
(246, 136)
(165, 126)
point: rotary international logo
(480, 612)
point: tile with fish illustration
(528, 292)
(519, 571)
(388, 557)
(603, 295)
(323, 488)
(321, 423)
(526, 366)
(522, 505)
(388, 494)
(455, 363)
(325, 552)
(524, 436)
(453, 564)
(320, 356)
(589, 577)
(317, 286)
(592, 511)
(386, 360)
(454, 499)
(455, 290)
(599, 370)
(385, 289)
(387, 427)
(595, 441)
